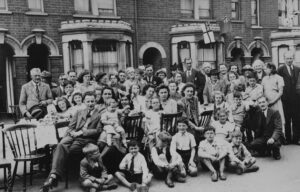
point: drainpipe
(136, 33)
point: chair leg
(31, 172)
(24, 176)
(9, 182)
(5, 179)
(14, 174)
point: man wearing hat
(35, 96)
(150, 78)
(196, 77)
(46, 77)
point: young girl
(135, 97)
(167, 166)
(220, 103)
(63, 109)
(111, 122)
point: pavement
(273, 176)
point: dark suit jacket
(289, 90)
(156, 81)
(57, 92)
(94, 127)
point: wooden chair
(23, 143)
(169, 122)
(16, 113)
(133, 127)
(5, 164)
(205, 118)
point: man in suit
(35, 96)
(85, 127)
(269, 130)
(150, 78)
(196, 77)
(60, 90)
(289, 98)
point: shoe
(277, 157)
(253, 168)
(133, 186)
(49, 184)
(239, 171)
(214, 177)
(222, 176)
(109, 186)
(142, 188)
(180, 179)
(169, 183)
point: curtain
(105, 7)
(204, 8)
(187, 6)
(82, 5)
(286, 16)
(254, 11)
(35, 5)
(206, 53)
(184, 51)
(76, 55)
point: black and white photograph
(149, 95)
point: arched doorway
(6, 81)
(38, 58)
(257, 53)
(152, 56)
(237, 57)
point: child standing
(238, 110)
(93, 174)
(241, 160)
(184, 144)
(166, 165)
(133, 169)
(111, 121)
(212, 154)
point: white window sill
(95, 16)
(199, 20)
(289, 28)
(5, 12)
(36, 13)
(256, 27)
(237, 21)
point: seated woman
(85, 82)
(135, 97)
(168, 105)
(148, 94)
(77, 102)
(63, 108)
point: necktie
(291, 71)
(37, 92)
(131, 169)
(89, 114)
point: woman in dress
(148, 94)
(63, 108)
(77, 102)
(85, 83)
(107, 93)
(174, 94)
(273, 89)
(168, 105)
(253, 90)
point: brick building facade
(108, 35)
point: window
(35, 5)
(297, 54)
(128, 54)
(206, 53)
(281, 51)
(187, 7)
(184, 51)
(3, 5)
(204, 8)
(288, 13)
(76, 56)
(235, 9)
(82, 6)
(105, 56)
(255, 12)
(105, 7)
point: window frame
(237, 9)
(209, 10)
(257, 14)
(213, 46)
(84, 12)
(188, 46)
(286, 13)
(36, 10)
(4, 8)
(187, 11)
(95, 9)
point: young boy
(92, 171)
(238, 110)
(184, 144)
(111, 122)
(240, 158)
(212, 154)
(133, 169)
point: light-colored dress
(272, 84)
(253, 93)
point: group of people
(255, 110)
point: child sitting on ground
(134, 172)
(184, 144)
(240, 158)
(238, 110)
(111, 121)
(92, 171)
(212, 154)
(223, 128)
(167, 166)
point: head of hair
(220, 94)
(222, 110)
(165, 137)
(234, 73)
(83, 73)
(231, 65)
(237, 134)
(101, 101)
(130, 88)
(252, 75)
(139, 71)
(72, 71)
(162, 86)
(289, 53)
(132, 143)
(89, 148)
(183, 120)
(146, 87)
(237, 94)
(272, 67)
(73, 96)
(89, 93)
(239, 87)
(187, 85)
(68, 105)
(99, 76)
(35, 71)
(148, 65)
(67, 82)
(209, 128)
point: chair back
(16, 113)
(3, 146)
(168, 122)
(133, 127)
(60, 129)
(205, 118)
(22, 139)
